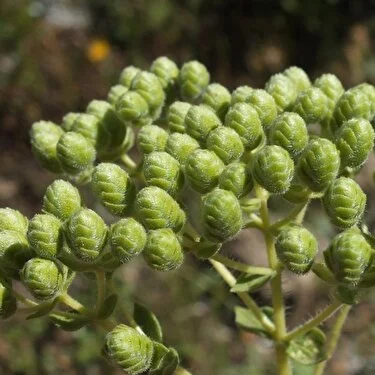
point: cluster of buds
(202, 154)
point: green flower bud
(199, 121)
(332, 88)
(226, 144)
(354, 140)
(349, 256)
(244, 119)
(344, 202)
(194, 79)
(75, 153)
(163, 251)
(369, 91)
(265, 106)
(296, 248)
(68, 120)
(289, 131)
(115, 93)
(88, 126)
(87, 234)
(156, 209)
(163, 170)
(44, 235)
(273, 169)
(44, 137)
(319, 164)
(180, 146)
(61, 199)
(221, 215)
(8, 303)
(311, 105)
(203, 169)
(297, 193)
(128, 239)
(13, 220)
(236, 179)
(149, 87)
(176, 116)
(113, 187)
(151, 138)
(127, 75)
(43, 278)
(129, 349)
(131, 107)
(241, 95)
(218, 98)
(283, 91)
(299, 77)
(166, 70)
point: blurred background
(57, 55)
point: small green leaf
(308, 349)
(108, 306)
(246, 320)
(249, 283)
(69, 321)
(43, 309)
(160, 351)
(167, 363)
(148, 322)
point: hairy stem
(333, 338)
(293, 215)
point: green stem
(314, 322)
(242, 267)
(293, 215)
(333, 338)
(253, 222)
(182, 371)
(128, 162)
(228, 277)
(101, 289)
(23, 299)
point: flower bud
(75, 153)
(289, 131)
(88, 126)
(296, 248)
(44, 137)
(68, 121)
(166, 70)
(130, 350)
(332, 88)
(226, 144)
(221, 215)
(131, 107)
(156, 209)
(61, 199)
(218, 98)
(354, 140)
(87, 234)
(8, 303)
(149, 87)
(44, 235)
(163, 251)
(13, 220)
(265, 106)
(241, 94)
(163, 170)
(244, 119)
(127, 75)
(203, 169)
(319, 164)
(369, 91)
(180, 146)
(283, 91)
(43, 278)
(128, 239)
(236, 179)
(115, 93)
(349, 256)
(151, 138)
(297, 192)
(176, 116)
(273, 169)
(312, 105)
(193, 79)
(199, 121)
(344, 202)
(299, 77)
(113, 187)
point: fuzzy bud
(283, 91)
(115, 93)
(299, 77)
(8, 303)
(237, 179)
(13, 220)
(180, 146)
(151, 138)
(176, 116)
(241, 94)
(131, 107)
(88, 126)
(218, 98)
(166, 70)
(68, 121)
(127, 75)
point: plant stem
(23, 299)
(293, 214)
(243, 267)
(314, 322)
(223, 271)
(128, 162)
(101, 289)
(333, 338)
(182, 371)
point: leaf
(148, 322)
(206, 249)
(247, 321)
(160, 351)
(248, 282)
(109, 305)
(69, 321)
(167, 364)
(322, 271)
(43, 309)
(308, 349)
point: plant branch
(293, 214)
(128, 162)
(23, 299)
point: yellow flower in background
(98, 50)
